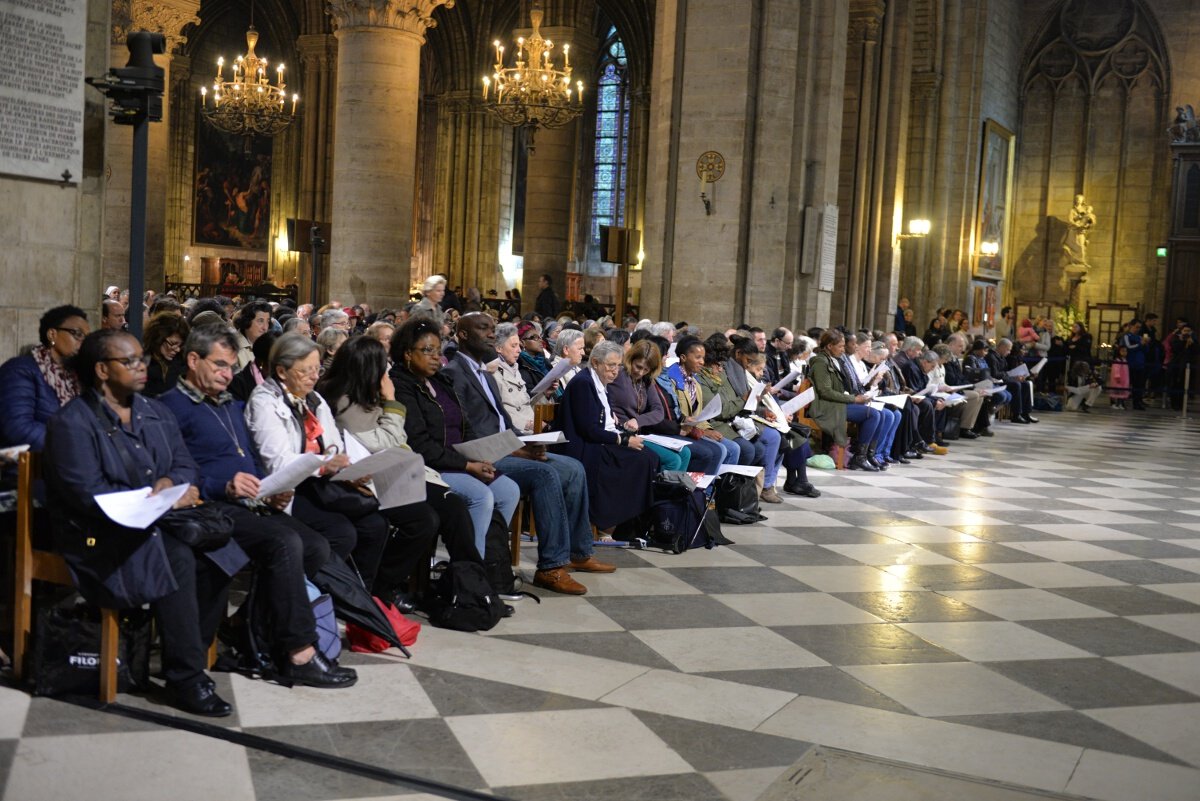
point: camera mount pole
(137, 225)
(318, 244)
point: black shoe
(1021, 420)
(914, 454)
(1029, 418)
(319, 672)
(968, 435)
(902, 460)
(509, 611)
(987, 432)
(200, 698)
(802, 488)
(860, 462)
(404, 602)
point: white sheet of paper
(787, 380)
(984, 386)
(138, 508)
(669, 362)
(559, 369)
(871, 393)
(491, 448)
(781, 419)
(290, 475)
(930, 387)
(1020, 371)
(710, 410)
(896, 401)
(355, 449)
(373, 463)
(547, 438)
(741, 469)
(399, 482)
(670, 443)
(1037, 368)
(13, 452)
(959, 387)
(702, 479)
(755, 391)
(799, 402)
(875, 373)
(671, 352)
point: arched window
(612, 136)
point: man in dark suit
(556, 484)
(907, 358)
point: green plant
(1066, 317)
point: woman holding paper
(435, 423)
(638, 407)
(620, 472)
(363, 400)
(735, 391)
(691, 353)
(834, 406)
(288, 420)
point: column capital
(866, 20)
(168, 17)
(925, 85)
(410, 16)
(317, 48)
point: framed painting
(232, 199)
(992, 218)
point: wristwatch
(623, 437)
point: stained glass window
(612, 136)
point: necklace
(228, 428)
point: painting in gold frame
(992, 216)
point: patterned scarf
(64, 382)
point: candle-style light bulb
(566, 55)
(295, 99)
(486, 85)
(204, 97)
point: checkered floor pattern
(1026, 609)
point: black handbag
(66, 650)
(205, 527)
(338, 497)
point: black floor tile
(707, 747)
(1112, 636)
(680, 787)
(721, 580)
(866, 644)
(454, 694)
(914, 607)
(1007, 533)
(1126, 601)
(47, 717)
(830, 683)
(1091, 683)
(1152, 549)
(780, 555)
(954, 577)
(1140, 571)
(669, 612)
(278, 778)
(846, 535)
(619, 645)
(982, 553)
(8, 749)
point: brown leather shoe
(592, 565)
(558, 580)
(770, 495)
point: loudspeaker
(619, 245)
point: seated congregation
(230, 401)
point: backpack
(497, 557)
(463, 599)
(737, 499)
(676, 519)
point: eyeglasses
(132, 362)
(222, 366)
(75, 332)
(314, 370)
(429, 351)
(610, 365)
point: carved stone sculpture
(1185, 128)
(1074, 247)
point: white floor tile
(1107, 504)
(762, 535)
(862, 491)
(952, 688)
(884, 554)
(701, 698)
(730, 648)
(922, 534)
(848, 578)
(1179, 670)
(1190, 564)
(791, 518)
(131, 766)
(1186, 625)
(1050, 574)
(626, 581)
(1014, 481)
(1118, 492)
(1184, 592)
(1114, 777)
(972, 503)
(1097, 516)
(1070, 551)
(931, 743)
(990, 491)
(955, 518)
(383, 692)
(1171, 728)
(1031, 604)
(743, 785)
(1083, 531)
(698, 557)
(993, 641)
(13, 706)
(1126, 483)
(834, 503)
(563, 745)
(557, 616)
(796, 609)
(888, 481)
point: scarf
(313, 431)
(64, 382)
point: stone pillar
(375, 146)
(180, 176)
(168, 17)
(318, 61)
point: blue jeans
(889, 423)
(707, 456)
(868, 422)
(669, 459)
(501, 495)
(559, 492)
(769, 439)
(747, 453)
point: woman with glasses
(435, 422)
(34, 387)
(620, 471)
(163, 341)
(287, 418)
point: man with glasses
(283, 548)
(112, 439)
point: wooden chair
(543, 413)
(36, 565)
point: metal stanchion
(1187, 385)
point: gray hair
(334, 316)
(643, 323)
(432, 282)
(330, 337)
(663, 329)
(912, 342)
(879, 348)
(603, 349)
(287, 350)
(808, 342)
(565, 340)
(1004, 342)
(928, 356)
(504, 331)
(293, 323)
(958, 336)
(202, 338)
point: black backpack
(463, 599)
(676, 520)
(737, 499)
(497, 558)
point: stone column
(318, 60)
(375, 146)
(168, 17)
(180, 131)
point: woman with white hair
(429, 307)
(569, 346)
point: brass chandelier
(533, 93)
(248, 104)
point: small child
(1118, 378)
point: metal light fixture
(989, 250)
(533, 93)
(917, 229)
(248, 104)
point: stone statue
(1185, 128)
(1074, 247)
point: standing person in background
(1005, 326)
(547, 304)
(1135, 343)
(901, 307)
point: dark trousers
(415, 528)
(364, 538)
(1137, 382)
(1019, 405)
(707, 456)
(284, 551)
(926, 422)
(188, 618)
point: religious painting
(989, 306)
(977, 307)
(233, 190)
(995, 201)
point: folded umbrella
(352, 601)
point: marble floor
(1024, 610)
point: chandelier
(248, 104)
(533, 93)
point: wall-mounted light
(989, 249)
(917, 229)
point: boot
(876, 460)
(861, 462)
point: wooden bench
(37, 565)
